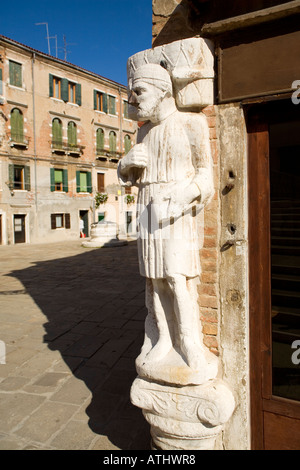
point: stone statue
(171, 164)
(178, 387)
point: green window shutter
(15, 74)
(64, 89)
(100, 139)
(89, 182)
(17, 127)
(78, 181)
(11, 72)
(68, 221)
(78, 94)
(27, 178)
(112, 105)
(104, 103)
(112, 142)
(127, 143)
(125, 109)
(72, 134)
(95, 99)
(14, 124)
(52, 179)
(58, 176)
(57, 133)
(50, 85)
(65, 181)
(83, 182)
(11, 173)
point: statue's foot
(193, 353)
(159, 351)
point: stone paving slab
(72, 320)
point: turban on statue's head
(154, 74)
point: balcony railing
(69, 149)
(108, 155)
(18, 140)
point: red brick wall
(208, 287)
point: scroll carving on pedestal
(172, 166)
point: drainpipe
(34, 131)
(121, 130)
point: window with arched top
(17, 125)
(127, 143)
(72, 134)
(112, 142)
(99, 140)
(57, 139)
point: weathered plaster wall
(233, 268)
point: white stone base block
(104, 234)
(173, 369)
(184, 417)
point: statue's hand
(181, 198)
(135, 158)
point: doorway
(274, 274)
(84, 222)
(128, 216)
(19, 229)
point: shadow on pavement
(94, 304)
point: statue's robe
(179, 154)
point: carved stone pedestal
(184, 417)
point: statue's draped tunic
(171, 247)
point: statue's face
(144, 99)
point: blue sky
(100, 34)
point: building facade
(62, 132)
(249, 290)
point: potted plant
(100, 198)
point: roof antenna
(55, 37)
(49, 51)
(65, 47)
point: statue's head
(148, 87)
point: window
(112, 142)
(125, 109)
(17, 125)
(57, 88)
(63, 89)
(99, 140)
(129, 222)
(72, 92)
(105, 103)
(19, 177)
(84, 181)
(111, 105)
(101, 216)
(100, 101)
(100, 183)
(60, 221)
(127, 143)
(58, 179)
(72, 134)
(15, 74)
(57, 140)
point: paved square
(72, 323)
